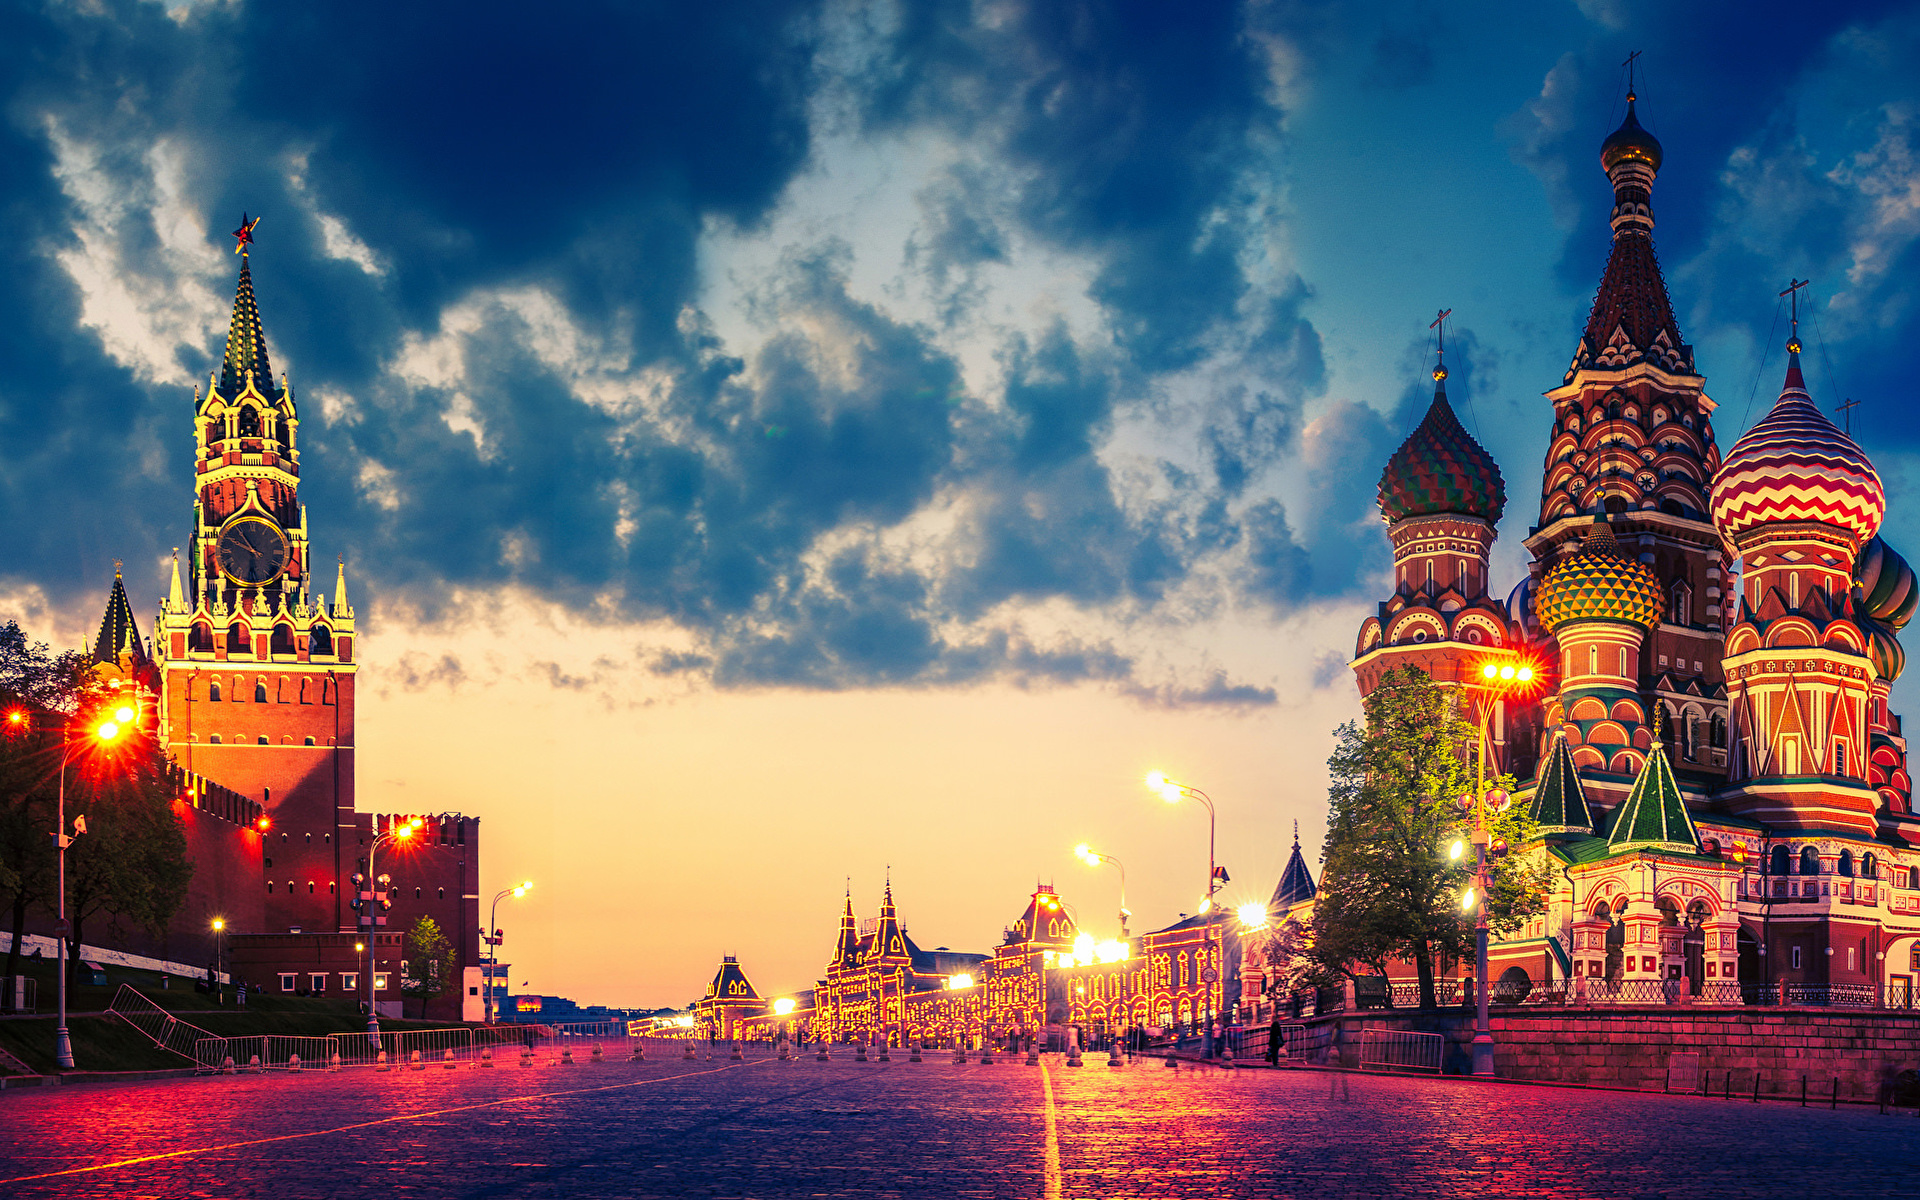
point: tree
(132, 861)
(35, 682)
(432, 962)
(1390, 888)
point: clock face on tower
(252, 551)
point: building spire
(176, 595)
(246, 340)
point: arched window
(1809, 861)
(249, 422)
(416, 893)
(213, 689)
(260, 691)
(261, 740)
(282, 642)
(1669, 911)
(309, 887)
(442, 893)
(269, 887)
(1616, 505)
(1680, 612)
(309, 739)
(1913, 877)
(1869, 866)
(1689, 731)
(200, 638)
(1845, 866)
(237, 640)
(214, 740)
(320, 641)
(1778, 862)
(1717, 732)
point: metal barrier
(161, 1027)
(1401, 1050)
(1252, 1041)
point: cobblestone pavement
(806, 1129)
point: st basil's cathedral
(1719, 784)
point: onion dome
(1441, 469)
(1795, 465)
(1599, 582)
(1630, 143)
(1889, 658)
(1520, 601)
(1887, 585)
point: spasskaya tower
(257, 670)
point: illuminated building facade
(1720, 786)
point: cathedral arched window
(237, 640)
(1680, 611)
(1845, 865)
(1869, 866)
(282, 640)
(1809, 861)
(321, 640)
(1717, 732)
(1778, 863)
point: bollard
(782, 1053)
(735, 1055)
(689, 1054)
(526, 1056)
(334, 1062)
(1033, 1052)
(820, 1052)
(1172, 1062)
(884, 1056)
(380, 1062)
(226, 1066)
(597, 1056)
(447, 1060)
(1113, 1054)
(639, 1051)
(859, 1052)
(913, 1056)
(986, 1053)
(293, 1062)
(1073, 1051)
(486, 1057)
(959, 1052)
(414, 1062)
(566, 1056)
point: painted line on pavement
(438, 1112)
(1053, 1135)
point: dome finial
(1440, 360)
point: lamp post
(219, 959)
(1173, 791)
(1093, 858)
(493, 942)
(1499, 679)
(120, 720)
(399, 833)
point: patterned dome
(1887, 583)
(1630, 142)
(1889, 658)
(1599, 582)
(1796, 466)
(1441, 469)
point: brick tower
(256, 670)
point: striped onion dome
(1599, 582)
(1889, 657)
(1441, 469)
(1887, 584)
(1795, 465)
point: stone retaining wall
(1637, 1049)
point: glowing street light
(1173, 791)
(493, 943)
(219, 925)
(1253, 915)
(398, 832)
(1093, 858)
(783, 1007)
(103, 735)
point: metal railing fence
(1401, 1050)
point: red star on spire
(243, 236)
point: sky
(779, 444)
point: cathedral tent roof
(1559, 802)
(1653, 816)
(1296, 882)
(118, 633)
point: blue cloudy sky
(864, 433)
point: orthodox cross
(1629, 64)
(1846, 411)
(1793, 290)
(243, 236)
(1440, 323)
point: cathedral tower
(257, 671)
(1633, 440)
(1799, 501)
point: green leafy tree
(34, 683)
(1390, 889)
(432, 962)
(131, 864)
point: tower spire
(246, 339)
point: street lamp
(1173, 791)
(219, 959)
(493, 942)
(119, 722)
(398, 833)
(1500, 678)
(1093, 858)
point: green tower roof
(1654, 817)
(1559, 802)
